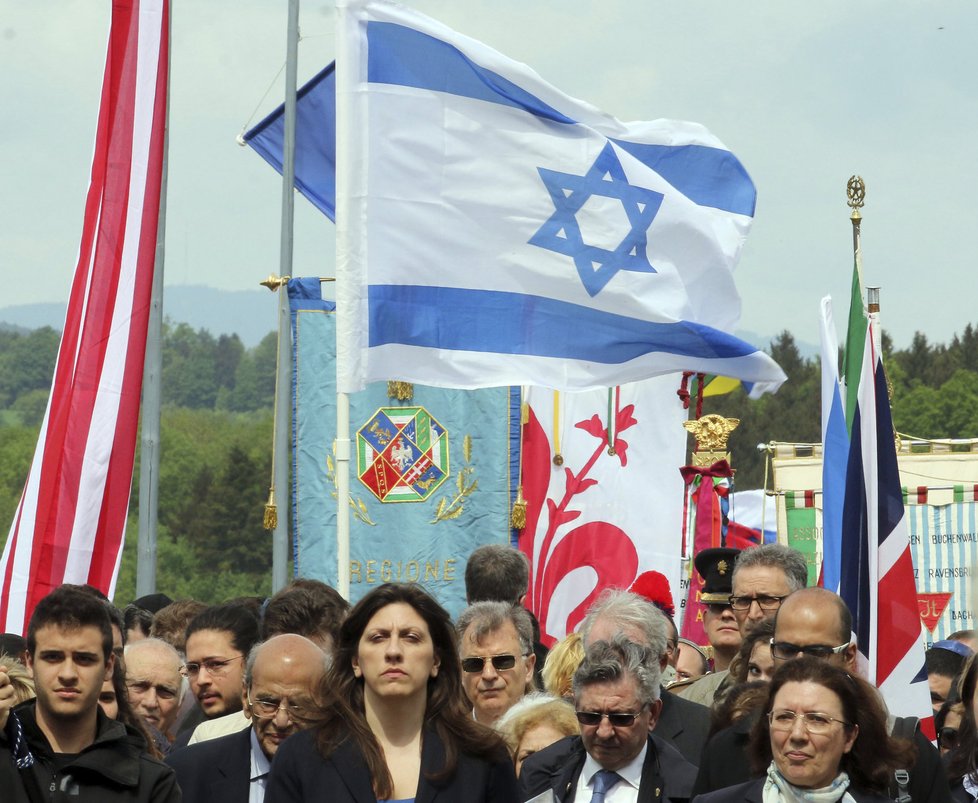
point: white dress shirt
(625, 791)
(260, 766)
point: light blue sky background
(806, 94)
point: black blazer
(215, 771)
(725, 763)
(300, 774)
(684, 724)
(666, 775)
(751, 792)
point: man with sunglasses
(280, 684)
(762, 577)
(817, 623)
(496, 651)
(617, 758)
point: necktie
(603, 781)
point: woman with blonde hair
(535, 722)
(561, 664)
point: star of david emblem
(402, 454)
(562, 232)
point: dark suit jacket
(751, 792)
(215, 771)
(684, 724)
(666, 775)
(300, 774)
(725, 763)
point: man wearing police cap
(715, 566)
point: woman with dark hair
(823, 738)
(394, 723)
(962, 759)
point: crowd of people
(300, 697)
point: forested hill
(217, 430)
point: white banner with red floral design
(598, 515)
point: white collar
(630, 773)
(260, 765)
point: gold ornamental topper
(711, 431)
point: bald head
(281, 678)
(154, 682)
(816, 617)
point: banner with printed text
(429, 476)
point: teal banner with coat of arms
(431, 476)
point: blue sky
(805, 95)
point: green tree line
(216, 439)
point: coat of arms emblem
(402, 454)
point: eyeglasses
(786, 651)
(268, 709)
(815, 723)
(141, 687)
(947, 738)
(766, 602)
(616, 719)
(478, 662)
(213, 666)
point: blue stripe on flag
(707, 176)
(315, 140)
(854, 582)
(406, 57)
(459, 319)
(402, 56)
(890, 499)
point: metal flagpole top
(856, 191)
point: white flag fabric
(604, 495)
(494, 231)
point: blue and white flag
(494, 231)
(431, 478)
(835, 451)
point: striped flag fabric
(493, 231)
(70, 523)
(835, 445)
(877, 577)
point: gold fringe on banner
(402, 391)
(270, 521)
(517, 519)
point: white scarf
(778, 790)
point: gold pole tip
(856, 193)
(274, 282)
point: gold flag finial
(856, 192)
(712, 431)
(274, 282)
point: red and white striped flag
(70, 523)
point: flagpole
(149, 431)
(283, 386)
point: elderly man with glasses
(762, 577)
(817, 623)
(281, 680)
(496, 651)
(617, 758)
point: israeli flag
(493, 231)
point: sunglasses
(477, 663)
(617, 720)
(786, 651)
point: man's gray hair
(487, 617)
(160, 646)
(788, 560)
(626, 609)
(610, 661)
